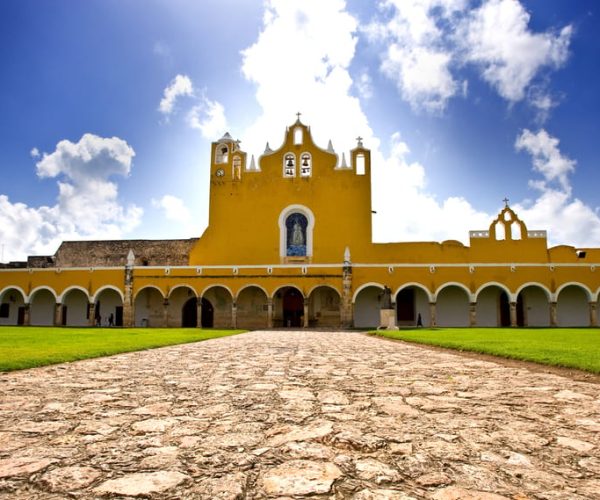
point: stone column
(92, 314)
(472, 314)
(553, 314)
(166, 313)
(26, 314)
(58, 314)
(346, 313)
(593, 314)
(269, 312)
(513, 314)
(199, 312)
(234, 314)
(432, 311)
(128, 306)
(306, 303)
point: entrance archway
(178, 299)
(221, 300)
(42, 304)
(207, 319)
(412, 302)
(75, 308)
(108, 302)
(289, 307)
(324, 307)
(12, 307)
(572, 307)
(493, 308)
(252, 308)
(367, 306)
(533, 308)
(149, 307)
(189, 313)
(452, 307)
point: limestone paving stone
(294, 414)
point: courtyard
(273, 414)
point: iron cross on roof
(505, 200)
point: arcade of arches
(289, 245)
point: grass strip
(28, 347)
(566, 347)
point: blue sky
(109, 108)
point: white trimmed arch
(66, 291)
(13, 287)
(511, 297)
(420, 286)
(145, 287)
(323, 286)
(182, 285)
(216, 285)
(534, 284)
(107, 287)
(39, 288)
(252, 285)
(288, 285)
(310, 217)
(588, 292)
(366, 285)
(470, 296)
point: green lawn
(26, 347)
(567, 347)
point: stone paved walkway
(296, 414)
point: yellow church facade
(289, 244)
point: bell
(305, 162)
(290, 162)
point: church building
(289, 245)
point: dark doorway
(189, 313)
(119, 316)
(208, 314)
(405, 305)
(504, 310)
(21, 316)
(293, 308)
(520, 311)
(63, 320)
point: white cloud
(209, 118)
(425, 44)
(547, 158)
(497, 38)
(568, 219)
(87, 202)
(173, 208)
(181, 85)
(34, 153)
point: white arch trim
(43, 287)
(366, 285)
(183, 285)
(107, 287)
(145, 287)
(251, 286)
(511, 297)
(535, 284)
(68, 290)
(210, 287)
(290, 285)
(324, 286)
(287, 211)
(416, 285)
(17, 288)
(470, 296)
(587, 291)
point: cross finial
(359, 140)
(298, 115)
(505, 200)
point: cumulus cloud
(87, 202)
(427, 43)
(568, 219)
(34, 153)
(418, 57)
(209, 118)
(497, 38)
(181, 85)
